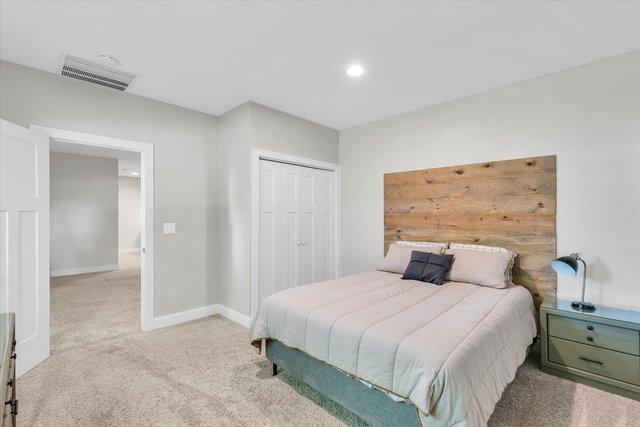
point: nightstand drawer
(611, 364)
(596, 334)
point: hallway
(86, 308)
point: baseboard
(83, 270)
(129, 251)
(183, 316)
(198, 313)
(233, 315)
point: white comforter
(450, 349)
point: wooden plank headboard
(510, 203)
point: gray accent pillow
(428, 267)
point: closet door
(317, 197)
(279, 228)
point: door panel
(318, 229)
(307, 231)
(18, 167)
(26, 311)
(267, 239)
(324, 253)
(289, 231)
(290, 250)
(306, 248)
(278, 262)
(24, 239)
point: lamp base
(583, 306)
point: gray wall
(128, 213)
(185, 170)
(588, 116)
(240, 130)
(84, 212)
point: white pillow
(481, 265)
(398, 257)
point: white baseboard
(129, 251)
(198, 313)
(83, 270)
(183, 316)
(233, 315)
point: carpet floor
(104, 371)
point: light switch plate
(169, 228)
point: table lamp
(568, 266)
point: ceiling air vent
(92, 72)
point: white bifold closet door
(297, 226)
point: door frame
(258, 154)
(146, 200)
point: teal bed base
(372, 406)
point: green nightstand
(599, 348)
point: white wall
(588, 116)
(206, 261)
(129, 214)
(84, 213)
(184, 166)
(243, 128)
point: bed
(448, 350)
(405, 352)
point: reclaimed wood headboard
(510, 203)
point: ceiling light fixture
(135, 173)
(355, 70)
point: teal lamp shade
(566, 266)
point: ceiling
(292, 56)
(128, 161)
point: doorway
(95, 243)
(127, 151)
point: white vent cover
(81, 69)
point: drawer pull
(590, 328)
(590, 339)
(590, 360)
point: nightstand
(599, 348)
(8, 370)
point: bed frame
(372, 406)
(511, 204)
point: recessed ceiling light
(355, 70)
(135, 173)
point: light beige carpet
(104, 371)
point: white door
(279, 228)
(318, 225)
(24, 240)
(296, 226)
